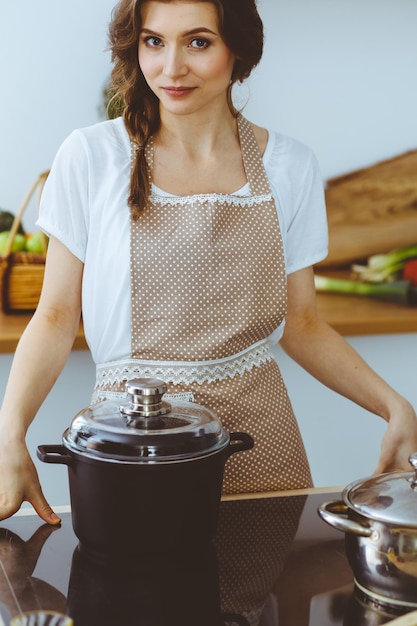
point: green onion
(400, 291)
(385, 267)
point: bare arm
(329, 358)
(40, 356)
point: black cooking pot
(145, 476)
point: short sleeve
(298, 189)
(64, 205)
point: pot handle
(245, 442)
(335, 512)
(53, 454)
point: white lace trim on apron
(186, 372)
(231, 200)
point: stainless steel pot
(379, 517)
(145, 476)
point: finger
(385, 469)
(387, 461)
(46, 513)
(388, 466)
(43, 509)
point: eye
(152, 41)
(199, 43)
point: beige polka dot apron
(208, 286)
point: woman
(220, 223)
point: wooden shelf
(356, 315)
(12, 326)
(351, 315)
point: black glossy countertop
(274, 562)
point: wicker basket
(21, 273)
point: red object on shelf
(410, 271)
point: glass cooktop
(274, 562)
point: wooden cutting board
(372, 210)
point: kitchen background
(338, 75)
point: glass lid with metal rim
(390, 498)
(145, 428)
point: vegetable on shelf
(400, 291)
(410, 271)
(385, 267)
(391, 276)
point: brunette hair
(241, 29)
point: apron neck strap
(252, 159)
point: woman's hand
(19, 482)
(399, 441)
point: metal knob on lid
(145, 398)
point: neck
(196, 133)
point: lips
(177, 92)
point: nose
(174, 63)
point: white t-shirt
(84, 205)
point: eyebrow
(194, 31)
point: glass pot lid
(145, 428)
(389, 498)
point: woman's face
(182, 56)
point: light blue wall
(53, 67)
(338, 75)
